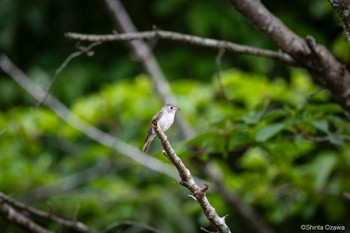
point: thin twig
(218, 74)
(83, 50)
(74, 225)
(185, 38)
(205, 230)
(130, 223)
(324, 138)
(76, 212)
(187, 181)
(319, 139)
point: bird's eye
(171, 107)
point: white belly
(166, 121)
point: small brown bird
(165, 118)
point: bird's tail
(148, 141)
(146, 146)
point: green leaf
(322, 167)
(336, 139)
(321, 125)
(253, 117)
(254, 159)
(268, 132)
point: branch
(342, 7)
(184, 38)
(199, 193)
(218, 76)
(326, 138)
(149, 62)
(9, 213)
(74, 225)
(95, 134)
(82, 50)
(317, 59)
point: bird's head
(170, 108)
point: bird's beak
(178, 108)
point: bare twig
(218, 75)
(185, 38)
(149, 62)
(342, 7)
(325, 138)
(74, 225)
(66, 115)
(76, 212)
(83, 50)
(12, 215)
(205, 230)
(131, 223)
(187, 181)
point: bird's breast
(166, 121)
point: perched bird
(165, 118)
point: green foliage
(281, 168)
(268, 131)
(280, 141)
(284, 170)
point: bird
(165, 118)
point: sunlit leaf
(322, 167)
(321, 125)
(268, 132)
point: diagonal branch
(149, 62)
(185, 38)
(317, 59)
(342, 7)
(12, 215)
(73, 120)
(74, 225)
(199, 193)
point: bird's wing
(149, 133)
(158, 116)
(150, 129)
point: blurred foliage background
(280, 141)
